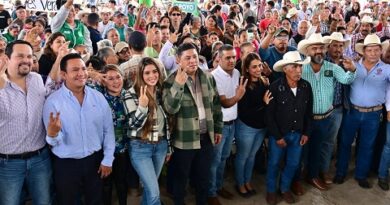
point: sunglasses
(124, 51)
(175, 14)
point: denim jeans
(148, 160)
(292, 155)
(320, 131)
(221, 153)
(248, 141)
(384, 164)
(329, 141)
(35, 173)
(367, 124)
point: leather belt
(147, 141)
(368, 109)
(323, 116)
(26, 155)
(228, 122)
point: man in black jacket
(288, 118)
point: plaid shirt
(323, 87)
(138, 115)
(359, 36)
(179, 102)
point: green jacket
(76, 35)
(9, 37)
(180, 104)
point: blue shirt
(271, 56)
(85, 128)
(369, 88)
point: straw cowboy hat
(292, 12)
(368, 19)
(371, 40)
(291, 57)
(82, 12)
(365, 11)
(106, 10)
(336, 36)
(314, 39)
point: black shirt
(251, 107)
(45, 65)
(287, 112)
(4, 16)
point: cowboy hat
(371, 40)
(314, 39)
(82, 12)
(368, 19)
(106, 10)
(292, 12)
(291, 57)
(336, 36)
(365, 11)
(320, 2)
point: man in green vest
(74, 30)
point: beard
(317, 58)
(22, 71)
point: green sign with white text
(189, 6)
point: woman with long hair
(250, 128)
(212, 26)
(149, 133)
(50, 56)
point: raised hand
(181, 76)
(63, 50)
(173, 37)
(236, 42)
(143, 98)
(271, 30)
(349, 64)
(3, 64)
(150, 35)
(54, 125)
(267, 97)
(240, 90)
(266, 69)
(186, 29)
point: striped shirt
(323, 87)
(21, 124)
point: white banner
(41, 5)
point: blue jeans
(148, 160)
(292, 155)
(320, 131)
(329, 141)
(221, 153)
(248, 141)
(384, 165)
(368, 124)
(35, 172)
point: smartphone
(144, 13)
(250, 36)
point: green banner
(189, 6)
(148, 3)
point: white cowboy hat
(106, 10)
(365, 11)
(336, 36)
(368, 19)
(314, 39)
(371, 40)
(291, 57)
(82, 12)
(292, 12)
(385, 1)
(320, 2)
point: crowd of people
(102, 95)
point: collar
(220, 69)
(68, 92)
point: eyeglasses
(124, 51)
(175, 14)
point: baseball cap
(118, 13)
(120, 46)
(280, 31)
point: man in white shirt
(230, 92)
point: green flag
(148, 3)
